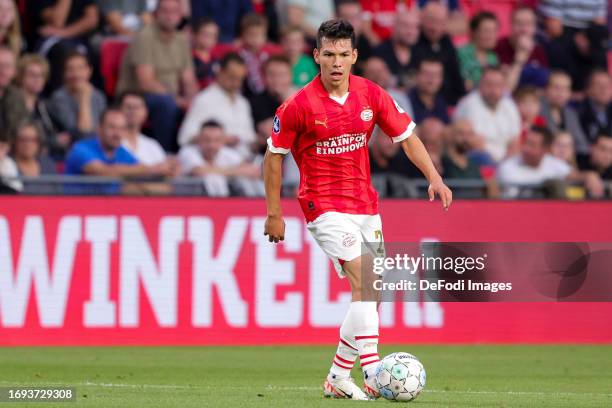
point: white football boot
(343, 388)
(369, 383)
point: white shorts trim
(341, 235)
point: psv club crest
(367, 115)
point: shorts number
(379, 236)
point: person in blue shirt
(104, 155)
(426, 97)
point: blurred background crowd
(512, 99)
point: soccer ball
(400, 377)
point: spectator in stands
(223, 102)
(431, 132)
(205, 38)
(10, 28)
(597, 166)
(397, 52)
(456, 161)
(278, 87)
(303, 66)
(28, 152)
(425, 97)
(558, 114)
(8, 169)
(393, 160)
(145, 149)
(376, 70)
(32, 74)
(595, 111)
(105, 156)
(494, 115)
(563, 148)
(124, 17)
(255, 50)
(579, 37)
(227, 14)
(60, 28)
(479, 52)
(309, 14)
(270, 10)
(527, 99)
(560, 16)
(379, 17)
(158, 63)
(524, 59)
(207, 157)
(77, 106)
(533, 166)
(351, 11)
(434, 41)
(12, 103)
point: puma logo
(321, 122)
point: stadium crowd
(152, 90)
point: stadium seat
(111, 54)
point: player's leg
(363, 318)
(337, 237)
(366, 299)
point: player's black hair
(229, 58)
(547, 136)
(481, 17)
(335, 30)
(211, 123)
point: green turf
(458, 376)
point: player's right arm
(275, 225)
(284, 132)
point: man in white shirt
(534, 165)
(493, 114)
(223, 103)
(208, 158)
(147, 150)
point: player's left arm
(416, 152)
(396, 123)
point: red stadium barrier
(113, 271)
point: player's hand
(274, 228)
(438, 187)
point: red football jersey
(329, 142)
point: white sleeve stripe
(274, 149)
(406, 134)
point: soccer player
(327, 126)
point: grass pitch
(457, 376)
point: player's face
(335, 59)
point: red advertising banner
(153, 271)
